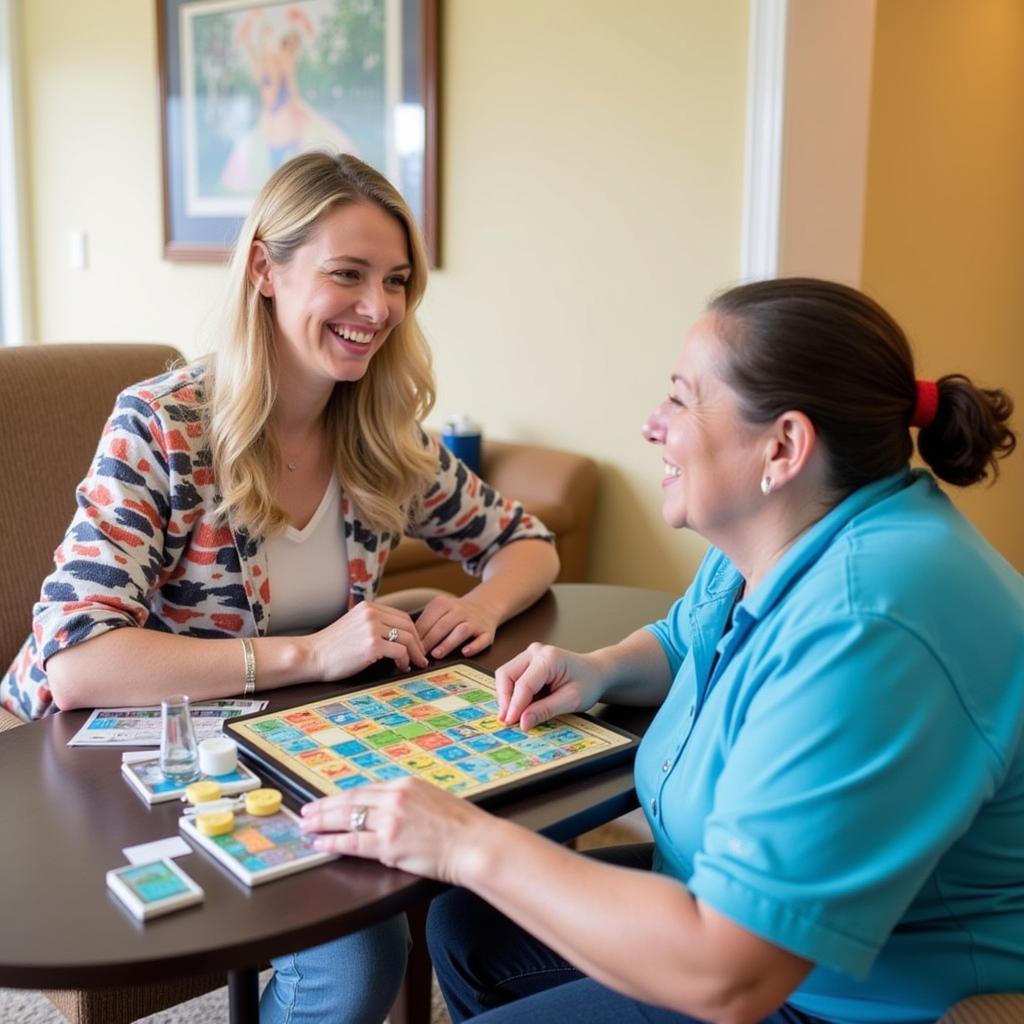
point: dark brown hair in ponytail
(835, 355)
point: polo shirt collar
(811, 545)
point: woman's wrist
(284, 660)
(478, 851)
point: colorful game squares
(432, 741)
(442, 722)
(449, 704)
(351, 781)
(482, 744)
(423, 691)
(422, 711)
(329, 737)
(452, 752)
(349, 748)
(506, 756)
(383, 739)
(516, 736)
(476, 696)
(442, 726)
(369, 760)
(412, 730)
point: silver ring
(357, 819)
(392, 636)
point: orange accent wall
(944, 223)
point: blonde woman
(233, 528)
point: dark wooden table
(69, 813)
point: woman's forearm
(515, 577)
(694, 960)
(634, 671)
(133, 666)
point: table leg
(244, 996)
(413, 1005)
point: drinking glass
(179, 751)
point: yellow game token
(215, 823)
(202, 792)
(263, 802)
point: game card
(440, 725)
(154, 787)
(149, 890)
(260, 848)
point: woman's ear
(791, 447)
(259, 269)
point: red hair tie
(927, 404)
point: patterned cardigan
(144, 550)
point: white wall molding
(15, 292)
(766, 93)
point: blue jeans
(492, 970)
(353, 980)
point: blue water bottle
(461, 436)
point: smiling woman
(238, 515)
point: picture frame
(245, 85)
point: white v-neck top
(308, 571)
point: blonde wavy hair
(373, 423)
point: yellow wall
(944, 227)
(592, 187)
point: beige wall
(592, 188)
(826, 114)
(944, 227)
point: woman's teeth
(359, 337)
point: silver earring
(767, 486)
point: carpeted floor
(25, 1007)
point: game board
(259, 849)
(439, 725)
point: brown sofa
(558, 487)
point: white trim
(14, 285)
(762, 187)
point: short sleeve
(462, 518)
(852, 770)
(672, 632)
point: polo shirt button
(654, 806)
(665, 767)
(691, 711)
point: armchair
(54, 400)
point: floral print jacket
(144, 550)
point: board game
(154, 787)
(260, 848)
(439, 725)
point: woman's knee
(354, 979)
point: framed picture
(247, 84)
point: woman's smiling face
(341, 294)
(713, 458)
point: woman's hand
(449, 621)
(360, 638)
(408, 824)
(574, 682)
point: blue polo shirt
(841, 771)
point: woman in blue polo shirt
(835, 778)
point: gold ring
(357, 819)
